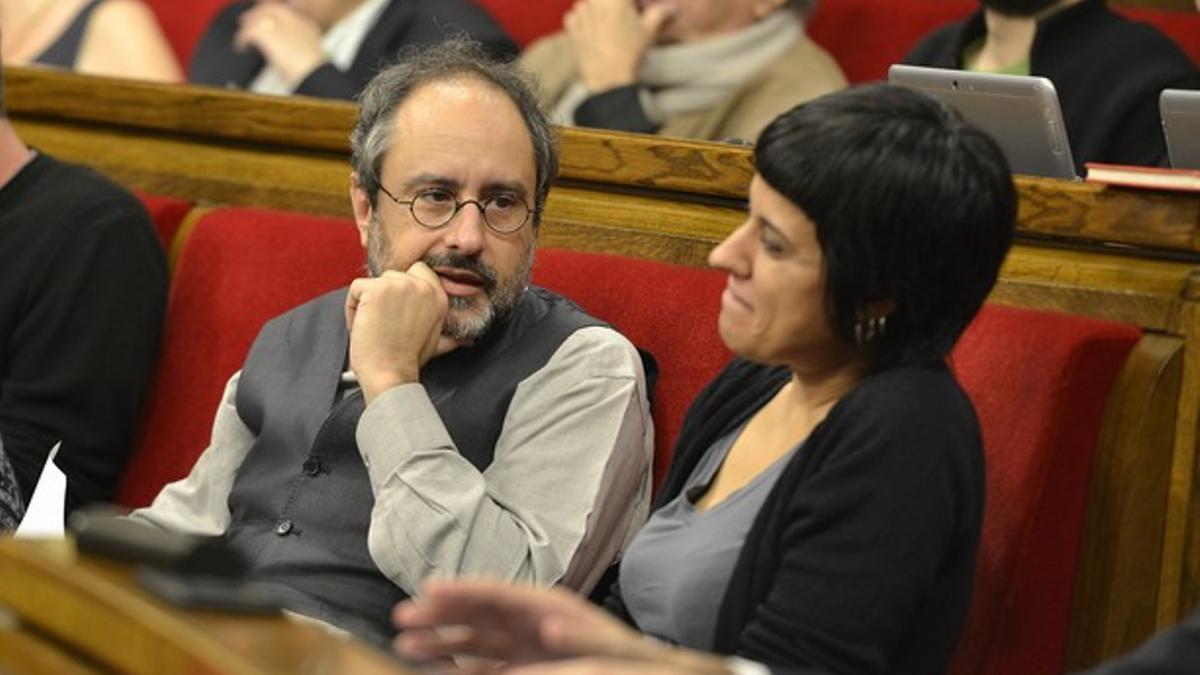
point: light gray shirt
(568, 487)
(674, 575)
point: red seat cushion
(669, 310)
(167, 213)
(1039, 382)
(238, 268)
(527, 21)
(867, 36)
(184, 22)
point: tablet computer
(1180, 112)
(1021, 112)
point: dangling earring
(878, 325)
(867, 329)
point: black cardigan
(862, 558)
(83, 290)
(1108, 72)
(403, 23)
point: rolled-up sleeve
(568, 485)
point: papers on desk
(44, 517)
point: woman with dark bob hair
(823, 506)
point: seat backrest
(867, 36)
(526, 21)
(238, 268)
(669, 310)
(184, 22)
(1039, 382)
(167, 213)
(1182, 27)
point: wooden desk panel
(90, 608)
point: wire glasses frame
(436, 207)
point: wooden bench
(74, 614)
(1112, 254)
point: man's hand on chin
(395, 322)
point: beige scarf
(684, 78)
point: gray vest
(301, 501)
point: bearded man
(440, 417)
(1108, 70)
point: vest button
(283, 527)
(312, 466)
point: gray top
(674, 575)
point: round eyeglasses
(435, 207)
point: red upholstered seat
(238, 268)
(1039, 382)
(184, 22)
(167, 213)
(867, 36)
(527, 21)
(668, 310)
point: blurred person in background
(329, 48)
(1108, 70)
(705, 69)
(83, 289)
(117, 38)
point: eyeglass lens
(436, 207)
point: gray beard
(471, 318)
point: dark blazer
(403, 23)
(1108, 72)
(862, 557)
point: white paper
(44, 517)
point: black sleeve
(1173, 652)
(214, 60)
(82, 352)
(405, 24)
(617, 109)
(329, 82)
(866, 538)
